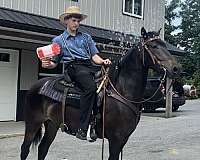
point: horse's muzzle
(174, 71)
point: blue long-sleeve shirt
(80, 46)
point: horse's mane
(116, 66)
(151, 35)
(125, 58)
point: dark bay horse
(121, 118)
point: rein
(104, 85)
(145, 100)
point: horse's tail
(33, 103)
(38, 137)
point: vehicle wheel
(175, 108)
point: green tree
(190, 40)
(170, 15)
(190, 35)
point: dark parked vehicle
(158, 101)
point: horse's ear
(143, 32)
(159, 31)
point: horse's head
(158, 57)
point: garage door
(8, 83)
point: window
(133, 8)
(4, 57)
(75, 0)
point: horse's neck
(132, 77)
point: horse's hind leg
(49, 135)
(115, 147)
(31, 131)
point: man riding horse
(77, 51)
(122, 100)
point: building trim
(27, 32)
(23, 39)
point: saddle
(73, 91)
(66, 81)
(55, 86)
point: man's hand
(98, 60)
(107, 61)
(47, 63)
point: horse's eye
(154, 46)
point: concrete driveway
(156, 138)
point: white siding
(35, 7)
(7, 4)
(101, 13)
(8, 85)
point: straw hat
(70, 11)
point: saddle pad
(73, 98)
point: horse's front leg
(116, 145)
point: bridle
(144, 45)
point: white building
(28, 24)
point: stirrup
(93, 135)
(63, 127)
